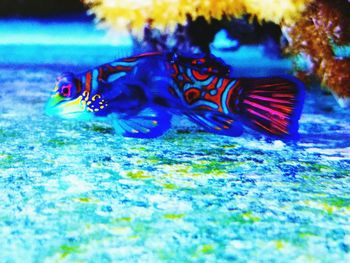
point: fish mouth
(58, 106)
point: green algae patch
(238, 164)
(328, 205)
(310, 177)
(184, 131)
(60, 142)
(57, 142)
(166, 255)
(245, 218)
(143, 229)
(338, 202)
(170, 186)
(316, 167)
(101, 129)
(143, 149)
(84, 200)
(138, 175)
(230, 146)
(332, 204)
(10, 161)
(328, 208)
(279, 244)
(173, 216)
(153, 159)
(183, 169)
(249, 216)
(6, 135)
(200, 252)
(164, 160)
(6, 159)
(67, 250)
(212, 167)
(207, 249)
(307, 234)
(122, 220)
(215, 152)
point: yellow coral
(287, 11)
(167, 13)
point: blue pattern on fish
(141, 93)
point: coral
(188, 25)
(169, 13)
(322, 27)
(317, 29)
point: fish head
(67, 99)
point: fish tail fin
(271, 105)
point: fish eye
(67, 85)
(66, 90)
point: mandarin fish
(139, 94)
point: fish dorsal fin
(208, 64)
(218, 123)
(151, 122)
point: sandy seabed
(75, 191)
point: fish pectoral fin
(218, 123)
(151, 122)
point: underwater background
(77, 192)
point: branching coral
(322, 26)
(169, 13)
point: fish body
(141, 93)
